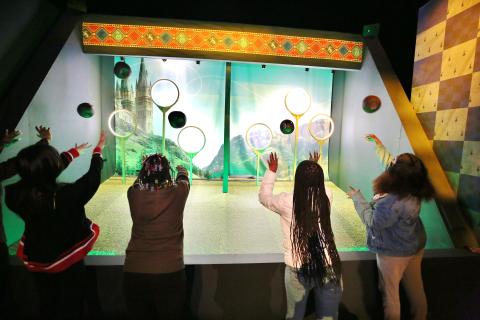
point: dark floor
(256, 291)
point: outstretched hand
(352, 191)
(44, 133)
(273, 162)
(9, 137)
(81, 147)
(373, 138)
(314, 157)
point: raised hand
(44, 133)
(182, 170)
(373, 138)
(273, 162)
(81, 147)
(10, 137)
(352, 191)
(314, 157)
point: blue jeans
(327, 297)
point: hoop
(155, 97)
(297, 93)
(248, 140)
(321, 116)
(183, 131)
(111, 117)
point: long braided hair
(311, 231)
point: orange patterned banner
(221, 41)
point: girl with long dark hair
(57, 233)
(395, 231)
(154, 276)
(311, 257)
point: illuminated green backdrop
(257, 95)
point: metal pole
(295, 151)
(226, 127)
(163, 133)
(258, 165)
(124, 164)
(190, 173)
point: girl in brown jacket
(154, 276)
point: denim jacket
(393, 225)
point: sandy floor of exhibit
(216, 223)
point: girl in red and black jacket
(57, 234)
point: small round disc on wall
(371, 104)
(85, 110)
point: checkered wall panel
(446, 92)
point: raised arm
(182, 177)
(376, 214)
(84, 188)
(385, 157)
(265, 194)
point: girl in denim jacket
(394, 229)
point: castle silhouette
(137, 101)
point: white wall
(74, 78)
(356, 161)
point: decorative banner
(221, 42)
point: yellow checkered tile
(471, 158)
(475, 90)
(430, 41)
(424, 98)
(457, 6)
(478, 29)
(458, 61)
(450, 124)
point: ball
(287, 126)
(122, 70)
(177, 119)
(371, 104)
(85, 110)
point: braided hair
(311, 231)
(155, 173)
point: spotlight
(197, 62)
(307, 69)
(263, 66)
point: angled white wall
(74, 78)
(353, 159)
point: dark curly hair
(406, 175)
